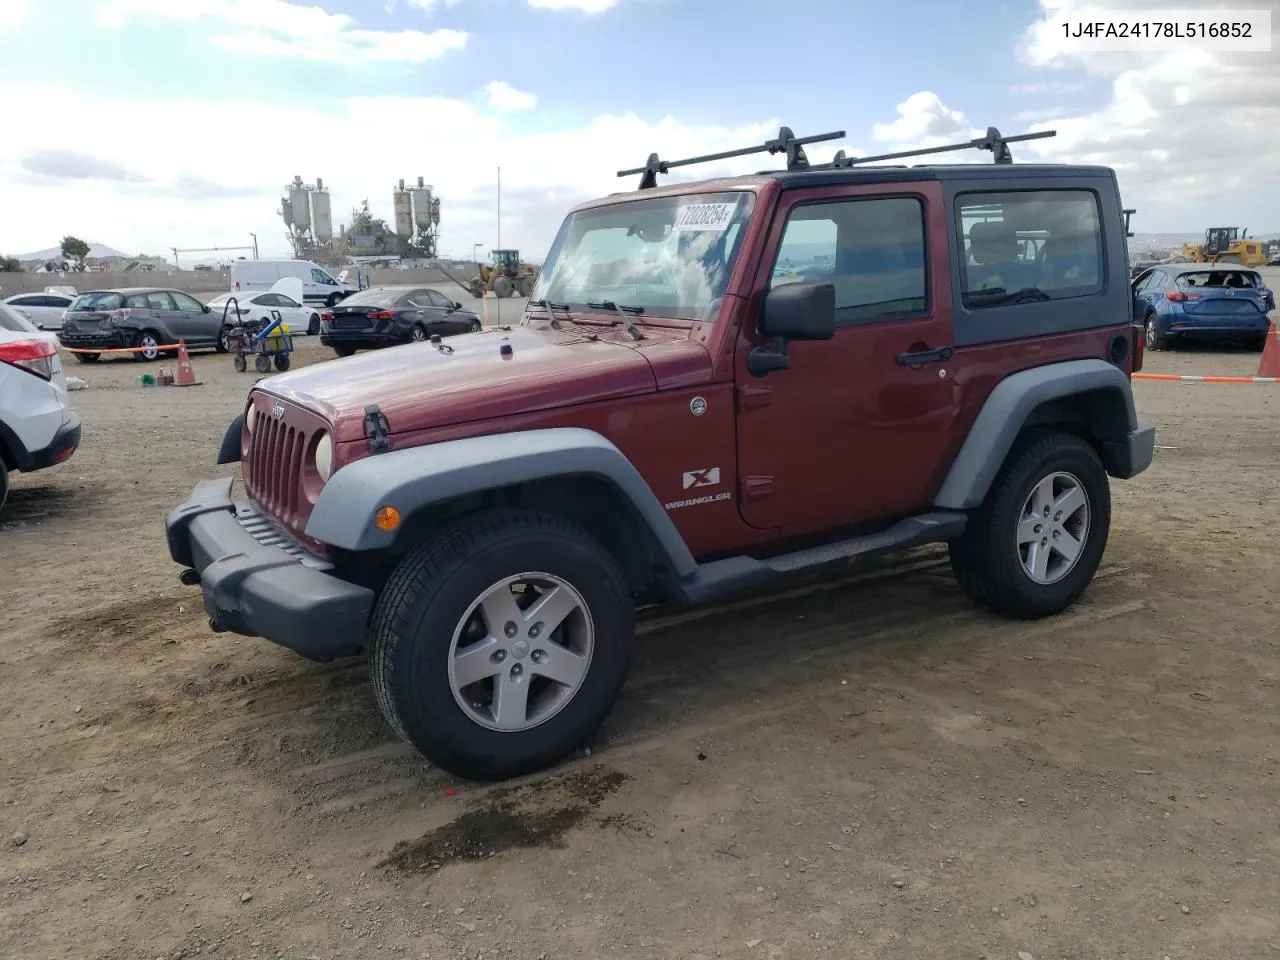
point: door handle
(913, 358)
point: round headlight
(249, 416)
(324, 457)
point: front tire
(344, 351)
(240, 363)
(87, 357)
(487, 683)
(1021, 561)
(4, 482)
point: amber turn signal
(387, 518)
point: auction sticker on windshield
(704, 216)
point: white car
(38, 428)
(45, 310)
(264, 306)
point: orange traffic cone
(1269, 365)
(186, 372)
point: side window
(187, 303)
(319, 276)
(25, 302)
(439, 300)
(1145, 281)
(872, 250)
(998, 267)
(137, 302)
(267, 300)
(159, 300)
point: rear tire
(993, 562)
(87, 357)
(1257, 344)
(281, 361)
(502, 287)
(149, 340)
(344, 351)
(1156, 340)
(313, 324)
(4, 483)
(430, 608)
(262, 363)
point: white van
(318, 287)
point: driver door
(857, 427)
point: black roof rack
(993, 141)
(786, 142)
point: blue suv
(1203, 301)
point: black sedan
(388, 316)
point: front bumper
(258, 583)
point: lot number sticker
(704, 216)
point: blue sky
(201, 110)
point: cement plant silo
(299, 205)
(321, 213)
(402, 201)
(422, 206)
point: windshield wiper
(623, 311)
(550, 306)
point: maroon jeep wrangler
(714, 385)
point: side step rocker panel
(716, 580)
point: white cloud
(585, 6)
(1192, 135)
(13, 12)
(171, 195)
(507, 99)
(281, 28)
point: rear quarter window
(1029, 246)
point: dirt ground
(864, 766)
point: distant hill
(97, 251)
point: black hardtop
(823, 176)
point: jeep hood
(470, 377)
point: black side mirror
(795, 311)
(206, 309)
(800, 311)
(457, 305)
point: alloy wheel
(1053, 527)
(521, 652)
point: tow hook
(189, 578)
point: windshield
(669, 256)
(99, 300)
(1235, 279)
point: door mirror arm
(764, 360)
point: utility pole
(175, 257)
(499, 247)
(255, 245)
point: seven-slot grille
(275, 459)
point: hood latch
(376, 429)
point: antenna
(786, 141)
(993, 141)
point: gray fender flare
(1005, 413)
(433, 473)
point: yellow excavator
(1227, 245)
(505, 275)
